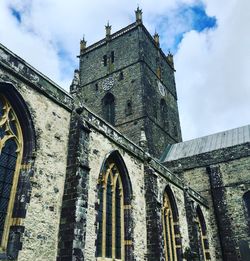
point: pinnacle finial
(108, 29)
(138, 15)
(83, 44)
(157, 38)
(170, 59)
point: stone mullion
(104, 220)
(170, 235)
(173, 236)
(114, 216)
(122, 222)
(178, 242)
(201, 239)
(164, 231)
(122, 229)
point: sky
(210, 40)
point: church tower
(127, 79)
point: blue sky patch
(200, 19)
(182, 20)
(66, 67)
(17, 15)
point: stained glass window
(99, 220)
(203, 235)
(168, 230)
(109, 218)
(110, 234)
(118, 221)
(10, 159)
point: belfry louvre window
(111, 224)
(164, 113)
(109, 108)
(11, 150)
(172, 239)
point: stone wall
(127, 89)
(59, 215)
(42, 176)
(41, 224)
(100, 147)
(142, 170)
(222, 177)
(132, 77)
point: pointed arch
(164, 113)
(23, 114)
(108, 104)
(17, 146)
(202, 231)
(114, 233)
(128, 108)
(171, 229)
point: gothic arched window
(11, 150)
(109, 108)
(171, 231)
(164, 113)
(128, 109)
(202, 229)
(114, 194)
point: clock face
(162, 89)
(108, 83)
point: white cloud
(212, 73)
(212, 66)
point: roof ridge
(204, 144)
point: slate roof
(208, 143)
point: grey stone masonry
(222, 177)
(130, 66)
(97, 123)
(154, 225)
(72, 230)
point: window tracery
(203, 235)
(111, 228)
(169, 230)
(11, 150)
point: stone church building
(101, 173)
